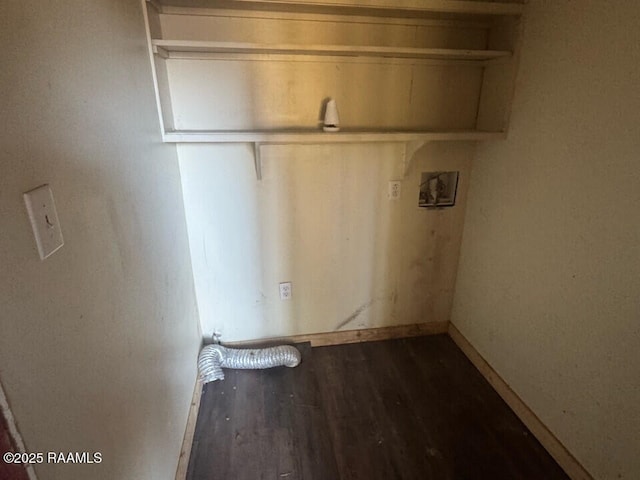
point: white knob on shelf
(331, 118)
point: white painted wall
(549, 277)
(98, 343)
(246, 95)
(320, 218)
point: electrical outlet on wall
(395, 188)
(285, 291)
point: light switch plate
(44, 220)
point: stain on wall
(320, 218)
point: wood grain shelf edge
(169, 45)
(316, 136)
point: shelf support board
(410, 148)
(160, 51)
(257, 159)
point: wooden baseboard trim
(556, 449)
(354, 336)
(187, 441)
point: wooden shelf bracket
(257, 159)
(410, 148)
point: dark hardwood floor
(399, 409)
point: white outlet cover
(285, 291)
(44, 220)
(395, 189)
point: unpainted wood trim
(355, 336)
(5, 411)
(549, 441)
(187, 442)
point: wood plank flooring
(398, 409)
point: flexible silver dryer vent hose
(213, 358)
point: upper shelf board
(388, 7)
(336, 50)
(319, 137)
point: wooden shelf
(386, 7)
(320, 137)
(334, 50)
(412, 139)
(441, 6)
